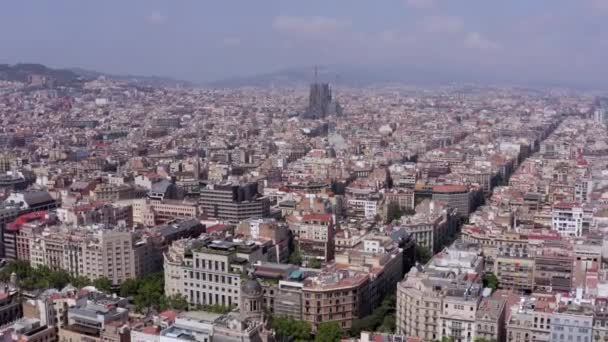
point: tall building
(315, 237)
(573, 323)
(442, 299)
(209, 272)
(532, 316)
(600, 114)
(456, 196)
(233, 202)
(567, 219)
(320, 102)
(335, 296)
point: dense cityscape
(140, 213)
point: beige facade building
(315, 236)
(490, 319)
(530, 319)
(403, 197)
(515, 273)
(152, 212)
(455, 196)
(208, 272)
(335, 296)
(442, 299)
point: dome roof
(251, 287)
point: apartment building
(282, 287)
(600, 320)
(455, 196)
(167, 210)
(490, 319)
(208, 272)
(530, 319)
(404, 198)
(335, 296)
(567, 219)
(96, 320)
(31, 330)
(432, 225)
(515, 273)
(315, 237)
(267, 229)
(458, 313)
(442, 298)
(573, 323)
(200, 326)
(108, 254)
(17, 234)
(362, 201)
(233, 203)
(553, 267)
(381, 258)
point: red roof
(317, 217)
(217, 228)
(151, 330)
(88, 207)
(543, 237)
(564, 205)
(169, 315)
(447, 188)
(23, 219)
(581, 162)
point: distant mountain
(22, 72)
(151, 81)
(75, 76)
(345, 75)
(395, 74)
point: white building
(567, 219)
(571, 326)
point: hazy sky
(202, 40)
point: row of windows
(213, 278)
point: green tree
(328, 332)
(39, 278)
(314, 263)
(103, 284)
(150, 292)
(377, 319)
(80, 281)
(287, 328)
(215, 308)
(483, 339)
(295, 258)
(445, 339)
(129, 287)
(423, 254)
(21, 268)
(388, 324)
(393, 212)
(409, 212)
(490, 280)
(174, 302)
(58, 279)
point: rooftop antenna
(316, 73)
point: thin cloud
(421, 4)
(309, 26)
(475, 40)
(600, 5)
(442, 24)
(231, 41)
(156, 18)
